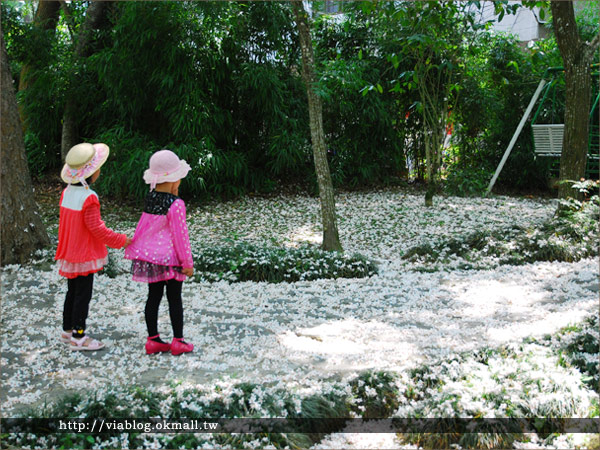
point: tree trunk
(22, 230)
(573, 158)
(434, 125)
(46, 19)
(331, 239)
(577, 57)
(95, 15)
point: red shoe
(178, 346)
(156, 347)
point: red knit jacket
(82, 235)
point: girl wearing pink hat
(82, 240)
(161, 251)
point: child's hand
(127, 242)
(188, 271)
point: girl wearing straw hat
(160, 249)
(82, 240)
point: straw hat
(82, 161)
(165, 167)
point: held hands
(127, 242)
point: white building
(527, 24)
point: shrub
(376, 394)
(244, 400)
(464, 182)
(572, 234)
(578, 347)
(247, 262)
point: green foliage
(245, 400)
(236, 261)
(376, 395)
(42, 102)
(468, 181)
(587, 17)
(504, 381)
(429, 65)
(579, 219)
(579, 347)
(111, 269)
(16, 33)
(209, 94)
(219, 82)
(365, 146)
(569, 236)
(129, 155)
(246, 262)
(586, 187)
(483, 437)
(122, 174)
(492, 105)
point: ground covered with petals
(426, 337)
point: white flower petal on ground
(300, 336)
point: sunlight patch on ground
(520, 330)
(305, 234)
(483, 298)
(350, 342)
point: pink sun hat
(82, 161)
(165, 167)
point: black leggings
(77, 302)
(155, 293)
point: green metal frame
(542, 84)
(594, 134)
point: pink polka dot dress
(160, 247)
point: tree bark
(95, 16)
(577, 58)
(331, 239)
(22, 230)
(46, 19)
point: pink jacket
(161, 236)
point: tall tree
(22, 230)
(44, 22)
(577, 57)
(331, 239)
(434, 44)
(95, 16)
(436, 35)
